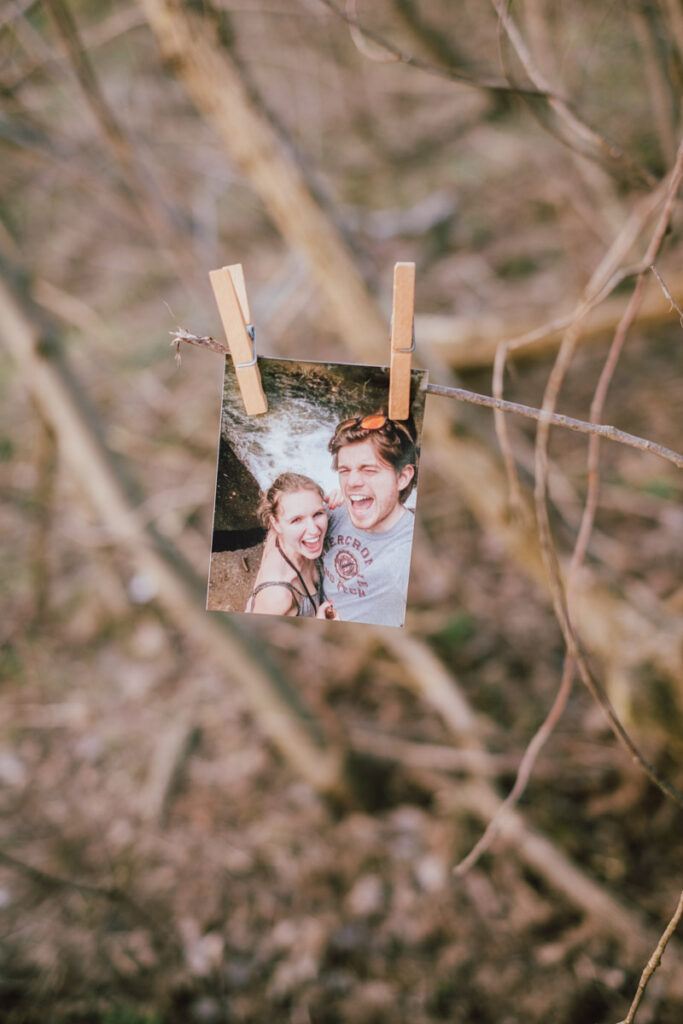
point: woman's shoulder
(274, 597)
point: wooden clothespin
(230, 292)
(402, 340)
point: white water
(284, 440)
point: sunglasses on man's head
(374, 421)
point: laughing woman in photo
(290, 577)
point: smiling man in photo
(367, 563)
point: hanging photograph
(315, 499)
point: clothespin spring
(412, 347)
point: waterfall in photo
(306, 402)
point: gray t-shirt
(366, 574)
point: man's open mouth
(360, 502)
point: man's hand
(334, 499)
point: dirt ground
(231, 578)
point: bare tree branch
(526, 766)
(575, 132)
(557, 419)
(559, 597)
(570, 662)
(437, 685)
(496, 85)
(603, 280)
(616, 347)
(111, 893)
(218, 88)
(145, 197)
(654, 961)
(665, 289)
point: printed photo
(315, 499)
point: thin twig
(557, 590)
(202, 341)
(616, 347)
(606, 912)
(654, 961)
(538, 741)
(574, 654)
(662, 285)
(469, 341)
(111, 893)
(588, 141)
(451, 75)
(604, 279)
(424, 672)
(380, 54)
(657, 81)
(559, 420)
(142, 192)
(550, 558)
(546, 728)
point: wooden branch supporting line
(489, 402)
(559, 420)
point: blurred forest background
(215, 819)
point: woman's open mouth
(312, 547)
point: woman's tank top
(306, 603)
